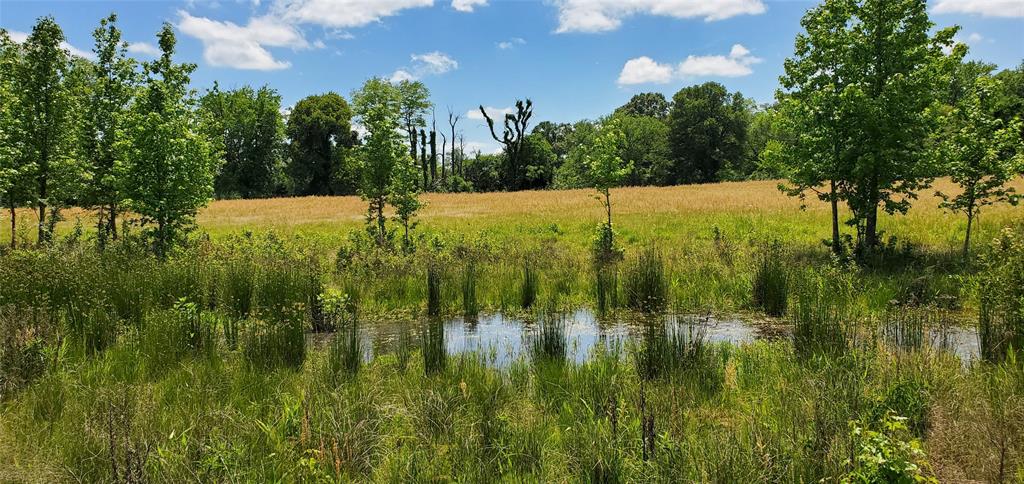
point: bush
(887, 455)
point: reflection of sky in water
(501, 340)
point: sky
(576, 59)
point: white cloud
(510, 43)
(342, 13)
(495, 113)
(19, 37)
(468, 5)
(402, 75)
(143, 48)
(227, 44)
(644, 70)
(429, 64)
(605, 15)
(985, 8)
(737, 64)
(435, 62)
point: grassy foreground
(118, 367)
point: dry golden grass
(753, 206)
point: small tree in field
(981, 153)
(12, 164)
(377, 104)
(606, 170)
(404, 196)
(166, 164)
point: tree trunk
(14, 217)
(380, 223)
(112, 221)
(837, 247)
(967, 238)
(41, 237)
(433, 155)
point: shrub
(887, 455)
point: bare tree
(512, 138)
(453, 119)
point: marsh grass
(823, 321)
(549, 342)
(433, 290)
(272, 344)
(435, 357)
(606, 286)
(644, 281)
(345, 353)
(470, 304)
(771, 280)
(529, 288)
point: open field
(754, 209)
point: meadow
(251, 353)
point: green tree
(645, 146)
(14, 184)
(981, 153)
(246, 123)
(513, 136)
(377, 104)
(320, 131)
(166, 163)
(707, 129)
(46, 115)
(404, 196)
(650, 104)
(113, 88)
(605, 171)
(574, 170)
(894, 64)
(812, 106)
(539, 162)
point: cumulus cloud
(19, 37)
(342, 13)
(736, 64)
(493, 112)
(226, 44)
(429, 64)
(143, 48)
(644, 70)
(511, 43)
(468, 5)
(985, 8)
(606, 15)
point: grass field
(239, 358)
(750, 209)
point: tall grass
(644, 281)
(549, 342)
(771, 280)
(470, 305)
(606, 286)
(528, 292)
(433, 290)
(274, 344)
(823, 320)
(345, 354)
(435, 357)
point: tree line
(873, 106)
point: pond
(503, 338)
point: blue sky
(575, 58)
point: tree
(167, 165)
(404, 196)
(246, 124)
(13, 168)
(645, 147)
(574, 171)
(455, 160)
(112, 91)
(377, 104)
(894, 65)
(812, 106)
(981, 153)
(539, 162)
(515, 129)
(414, 101)
(320, 131)
(558, 135)
(650, 104)
(707, 129)
(46, 115)
(607, 170)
